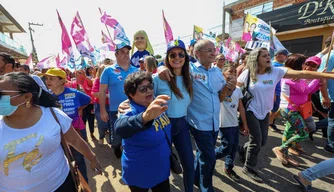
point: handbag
(175, 166)
(305, 110)
(80, 183)
(247, 96)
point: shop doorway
(308, 46)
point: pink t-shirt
(95, 89)
(84, 87)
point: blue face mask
(6, 109)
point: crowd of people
(143, 107)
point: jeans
(115, 139)
(230, 142)
(88, 114)
(79, 158)
(68, 185)
(258, 135)
(319, 170)
(101, 125)
(205, 159)
(330, 128)
(161, 187)
(182, 143)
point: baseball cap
(313, 59)
(282, 51)
(122, 45)
(192, 42)
(141, 59)
(56, 72)
(176, 44)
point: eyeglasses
(8, 91)
(221, 59)
(173, 55)
(143, 89)
(208, 50)
(312, 65)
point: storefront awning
(302, 15)
(12, 47)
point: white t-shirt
(263, 90)
(32, 159)
(229, 109)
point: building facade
(302, 26)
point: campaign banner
(257, 44)
(256, 29)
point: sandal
(274, 128)
(307, 188)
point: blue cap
(176, 44)
(122, 45)
(192, 42)
(282, 51)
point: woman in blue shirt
(144, 127)
(179, 88)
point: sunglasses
(221, 59)
(143, 89)
(7, 91)
(174, 55)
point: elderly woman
(144, 128)
(263, 79)
(31, 157)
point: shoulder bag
(247, 96)
(305, 109)
(79, 181)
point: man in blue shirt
(325, 93)
(280, 56)
(112, 79)
(191, 51)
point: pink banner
(29, 62)
(108, 44)
(167, 29)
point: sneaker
(107, 136)
(252, 174)
(292, 162)
(293, 151)
(242, 154)
(280, 155)
(310, 135)
(118, 152)
(329, 149)
(101, 142)
(274, 128)
(231, 174)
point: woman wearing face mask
(72, 102)
(31, 157)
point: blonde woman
(103, 127)
(263, 79)
(150, 64)
(143, 46)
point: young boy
(229, 126)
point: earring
(28, 105)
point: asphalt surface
(276, 176)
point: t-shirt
(229, 109)
(278, 86)
(114, 77)
(177, 107)
(71, 100)
(96, 89)
(263, 90)
(32, 159)
(137, 55)
(83, 87)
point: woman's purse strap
(167, 139)
(67, 152)
(248, 80)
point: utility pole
(34, 53)
(223, 23)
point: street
(276, 176)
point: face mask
(6, 109)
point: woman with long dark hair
(31, 152)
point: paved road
(277, 177)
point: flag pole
(105, 24)
(330, 50)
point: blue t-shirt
(71, 100)
(177, 107)
(145, 159)
(114, 77)
(137, 55)
(278, 86)
(192, 59)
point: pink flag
(119, 32)
(29, 62)
(65, 41)
(48, 62)
(108, 44)
(167, 29)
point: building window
(266, 7)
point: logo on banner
(257, 44)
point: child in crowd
(229, 128)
